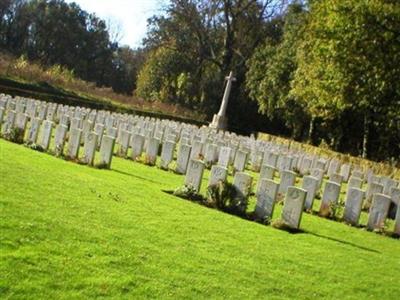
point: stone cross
(219, 120)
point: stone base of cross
(219, 122)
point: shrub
(226, 197)
(188, 192)
(15, 135)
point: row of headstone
(136, 137)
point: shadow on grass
(135, 176)
(341, 242)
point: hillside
(70, 231)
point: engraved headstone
(352, 209)
(293, 207)
(330, 199)
(194, 174)
(378, 211)
(183, 158)
(90, 148)
(59, 138)
(223, 158)
(46, 134)
(266, 198)
(240, 161)
(137, 143)
(74, 143)
(217, 174)
(288, 178)
(167, 154)
(152, 151)
(106, 150)
(310, 185)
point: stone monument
(219, 121)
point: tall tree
(348, 61)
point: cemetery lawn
(68, 231)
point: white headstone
(310, 184)
(90, 146)
(378, 211)
(194, 174)
(74, 143)
(167, 154)
(183, 158)
(217, 174)
(330, 198)
(266, 197)
(46, 134)
(107, 150)
(293, 207)
(352, 209)
(137, 143)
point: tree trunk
(311, 130)
(365, 136)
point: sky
(130, 15)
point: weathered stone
(310, 184)
(352, 209)
(197, 150)
(330, 199)
(46, 134)
(9, 123)
(90, 146)
(124, 141)
(240, 161)
(223, 158)
(288, 178)
(293, 207)
(137, 143)
(167, 154)
(373, 188)
(33, 132)
(242, 183)
(194, 174)
(336, 178)
(59, 138)
(266, 197)
(345, 172)
(211, 154)
(152, 151)
(106, 151)
(397, 222)
(183, 158)
(74, 143)
(217, 174)
(378, 211)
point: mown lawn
(73, 232)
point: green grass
(73, 232)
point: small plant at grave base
(148, 161)
(224, 196)
(101, 166)
(35, 147)
(15, 135)
(281, 225)
(188, 192)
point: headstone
(90, 146)
(124, 141)
(345, 172)
(167, 154)
(271, 159)
(352, 209)
(336, 178)
(267, 172)
(240, 161)
(242, 183)
(106, 150)
(378, 211)
(288, 178)
(194, 174)
(9, 123)
(397, 222)
(305, 166)
(59, 138)
(211, 153)
(46, 134)
(183, 158)
(217, 174)
(310, 185)
(330, 199)
(152, 151)
(74, 143)
(137, 143)
(373, 188)
(223, 158)
(319, 174)
(293, 207)
(355, 182)
(197, 150)
(99, 130)
(33, 132)
(266, 198)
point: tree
(271, 72)
(348, 61)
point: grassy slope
(69, 231)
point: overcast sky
(131, 15)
